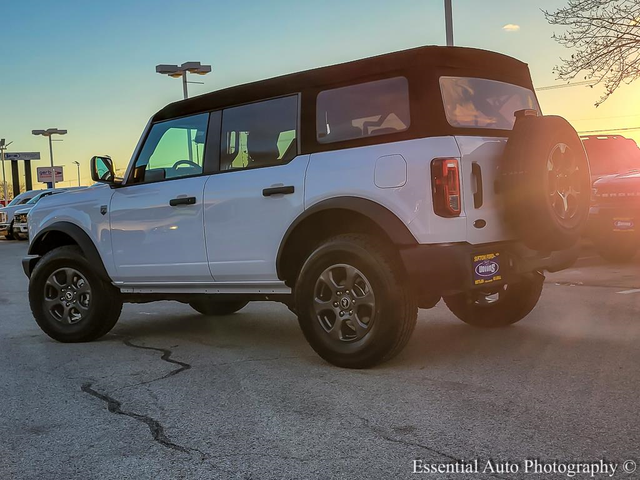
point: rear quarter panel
(352, 172)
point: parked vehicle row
(13, 217)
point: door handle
(286, 190)
(478, 197)
(174, 202)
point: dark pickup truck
(614, 216)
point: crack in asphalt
(382, 434)
(166, 356)
(156, 428)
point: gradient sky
(88, 67)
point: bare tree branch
(605, 35)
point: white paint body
(229, 239)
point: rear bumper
(449, 268)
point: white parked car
(7, 213)
(20, 227)
(354, 194)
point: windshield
(609, 156)
(35, 199)
(482, 103)
(19, 201)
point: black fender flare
(80, 237)
(388, 221)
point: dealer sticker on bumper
(486, 268)
(623, 225)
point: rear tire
(217, 309)
(513, 303)
(353, 306)
(69, 301)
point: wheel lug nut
(342, 314)
(335, 304)
(350, 312)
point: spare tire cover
(545, 181)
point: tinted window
(609, 155)
(363, 110)
(259, 134)
(173, 149)
(481, 103)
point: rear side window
(259, 134)
(482, 103)
(364, 110)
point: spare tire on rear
(545, 181)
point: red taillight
(445, 178)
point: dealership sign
(22, 156)
(44, 174)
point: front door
(157, 217)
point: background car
(20, 217)
(7, 213)
(611, 155)
(615, 200)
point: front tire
(353, 306)
(618, 248)
(217, 309)
(69, 301)
(506, 306)
(9, 235)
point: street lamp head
(171, 70)
(176, 71)
(49, 131)
(196, 67)
(77, 163)
(203, 70)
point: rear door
(258, 192)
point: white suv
(355, 194)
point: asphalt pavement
(171, 394)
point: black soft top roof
(431, 60)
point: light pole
(448, 21)
(78, 165)
(3, 147)
(176, 71)
(48, 133)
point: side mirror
(102, 170)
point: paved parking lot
(172, 394)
